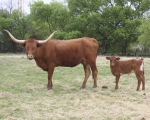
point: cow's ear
(108, 58)
(22, 45)
(118, 58)
(38, 45)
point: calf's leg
(87, 73)
(117, 80)
(138, 76)
(143, 81)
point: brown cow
(126, 67)
(49, 54)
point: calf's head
(30, 44)
(113, 60)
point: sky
(7, 3)
(26, 4)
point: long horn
(49, 38)
(13, 38)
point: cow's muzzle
(112, 64)
(30, 57)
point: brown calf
(126, 67)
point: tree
(5, 21)
(144, 30)
(49, 17)
(21, 23)
(120, 27)
(85, 15)
(113, 23)
(17, 23)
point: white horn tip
(55, 31)
(6, 31)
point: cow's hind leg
(94, 73)
(87, 73)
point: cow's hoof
(48, 88)
(94, 86)
(82, 87)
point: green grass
(23, 94)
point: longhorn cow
(49, 54)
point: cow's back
(69, 53)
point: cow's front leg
(117, 80)
(50, 73)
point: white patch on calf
(142, 66)
(132, 72)
(127, 73)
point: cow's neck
(38, 53)
(39, 59)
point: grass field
(23, 94)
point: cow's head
(113, 60)
(30, 44)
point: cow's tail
(97, 46)
(142, 64)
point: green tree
(5, 21)
(49, 17)
(113, 23)
(85, 16)
(20, 25)
(17, 23)
(120, 27)
(144, 30)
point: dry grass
(23, 94)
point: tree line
(118, 25)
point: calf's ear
(118, 58)
(108, 58)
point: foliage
(20, 24)
(120, 29)
(114, 24)
(49, 17)
(144, 29)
